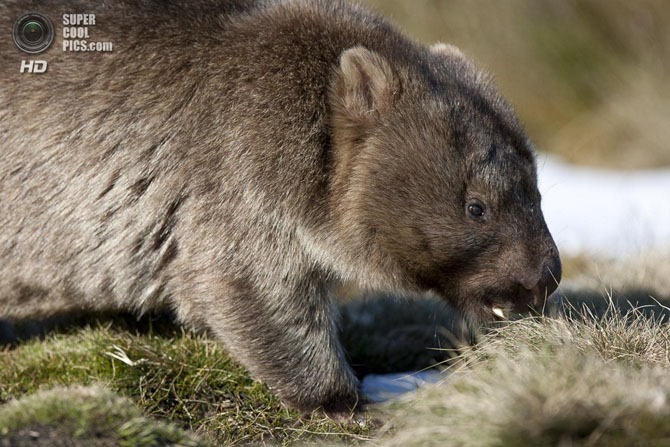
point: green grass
(88, 416)
(186, 379)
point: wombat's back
(202, 111)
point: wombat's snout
(536, 286)
(551, 272)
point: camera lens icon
(33, 33)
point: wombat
(233, 159)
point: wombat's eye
(475, 208)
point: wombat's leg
(287, 337)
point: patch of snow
(605, 212)
(382, 387)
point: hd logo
(33, 66)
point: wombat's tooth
(498, 311)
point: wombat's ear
(447, 50)
(366, 85)
(453, 53)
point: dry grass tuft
(572, 381)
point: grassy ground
(595, 373)
(569, 382)
(183, 378)
(84, 416)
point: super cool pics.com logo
(33, 33)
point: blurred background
(590, 79)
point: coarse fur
(231, 159)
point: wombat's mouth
(500, 311)
(504, 309)
(492, 312)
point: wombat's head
(438, 182)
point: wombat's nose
(550, 276)
(537, 284)
(552, 270)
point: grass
(184, 378)
(85, 415)
(593, 374)
(575, 381)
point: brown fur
(234, 158)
